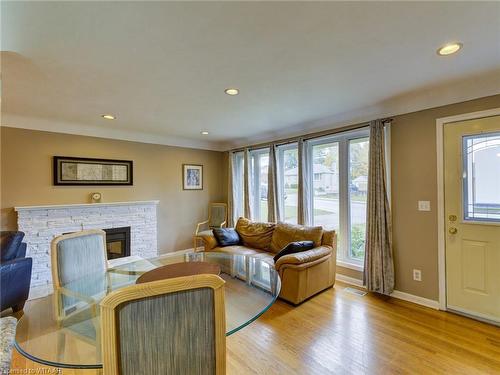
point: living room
(328, 170)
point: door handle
(453, 230)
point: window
(259, 163)
(338, 181)
(259, 169)
(339, 193)
(358, 189)
(288, 171)
(481, 177)
(325, 159)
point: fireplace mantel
(77, 205)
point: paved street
(358, 211)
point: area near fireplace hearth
(42, 223)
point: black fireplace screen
(118, 242)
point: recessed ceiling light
(204, 132)
(109, 117)
(449, 49)
(232, 91)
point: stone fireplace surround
(42, 223)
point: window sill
(350, 265)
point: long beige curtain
(304, 192)
(379, 262)
(273, 200)
(247, 186)
(230, 191)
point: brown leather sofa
(302, 274)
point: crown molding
(447, 93)
(41, 124)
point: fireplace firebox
(118, 242)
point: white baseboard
(396, 294)
(349, 280)
(416, 299)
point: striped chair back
(173, 326)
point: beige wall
(26, 175)
(414, 178)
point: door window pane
(325, 158)
(481, 154)
(289, 175)
(358, 188)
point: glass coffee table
(63, 329)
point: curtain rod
(307, 137)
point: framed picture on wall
(69, 170)
(192, 177)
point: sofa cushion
(285, 233)
(254, 234)
(294, 247)
(236, 249)
(226, 236)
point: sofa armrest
(209, 241)
(21, 251)
(304, 256)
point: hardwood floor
(338, 332)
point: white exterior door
(472, 209)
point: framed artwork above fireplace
(68, 170)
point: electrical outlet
(424, 205)
(417, 275)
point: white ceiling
(162, 67)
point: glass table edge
(100, 366)
(278, 287)
(54, 364)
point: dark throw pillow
(294, 247)
(226, 236)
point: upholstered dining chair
(77, 256)
(79, 259)
(217, 218)
(172, 326)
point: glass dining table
(63, 329)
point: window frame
(344, 258)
